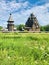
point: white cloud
(21, 12)
(6, 8)
(41, 12)
(13, 5)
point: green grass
(24, 48)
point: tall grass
(24, 48)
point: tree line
(21, 27)
(42, 28)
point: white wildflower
(8, 57)
(36, 62)
(41, 48)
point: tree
(20, 27)
(1, 27)
(44, 28)
(47, 28)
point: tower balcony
(11, 23)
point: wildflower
(47, 48)
(41, 48)
(36, 62)
(8, 57)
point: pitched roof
(10, 18)
(31, 20)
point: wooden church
(32, 24)
(10, 25)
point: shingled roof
(32, 22)
(10, 18)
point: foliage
(47, 27)
(44, 28)
(24, 48)
(20, 27)
(1, 27)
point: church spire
(10, 17)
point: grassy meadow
(24, 48)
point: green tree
(20, 27)
(47, 27)
(1, 27)
(44, 28)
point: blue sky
(21, 10)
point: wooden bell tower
(10, 25)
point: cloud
(22, 10)
(10, 7)
(13, 5)
(41, 12)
